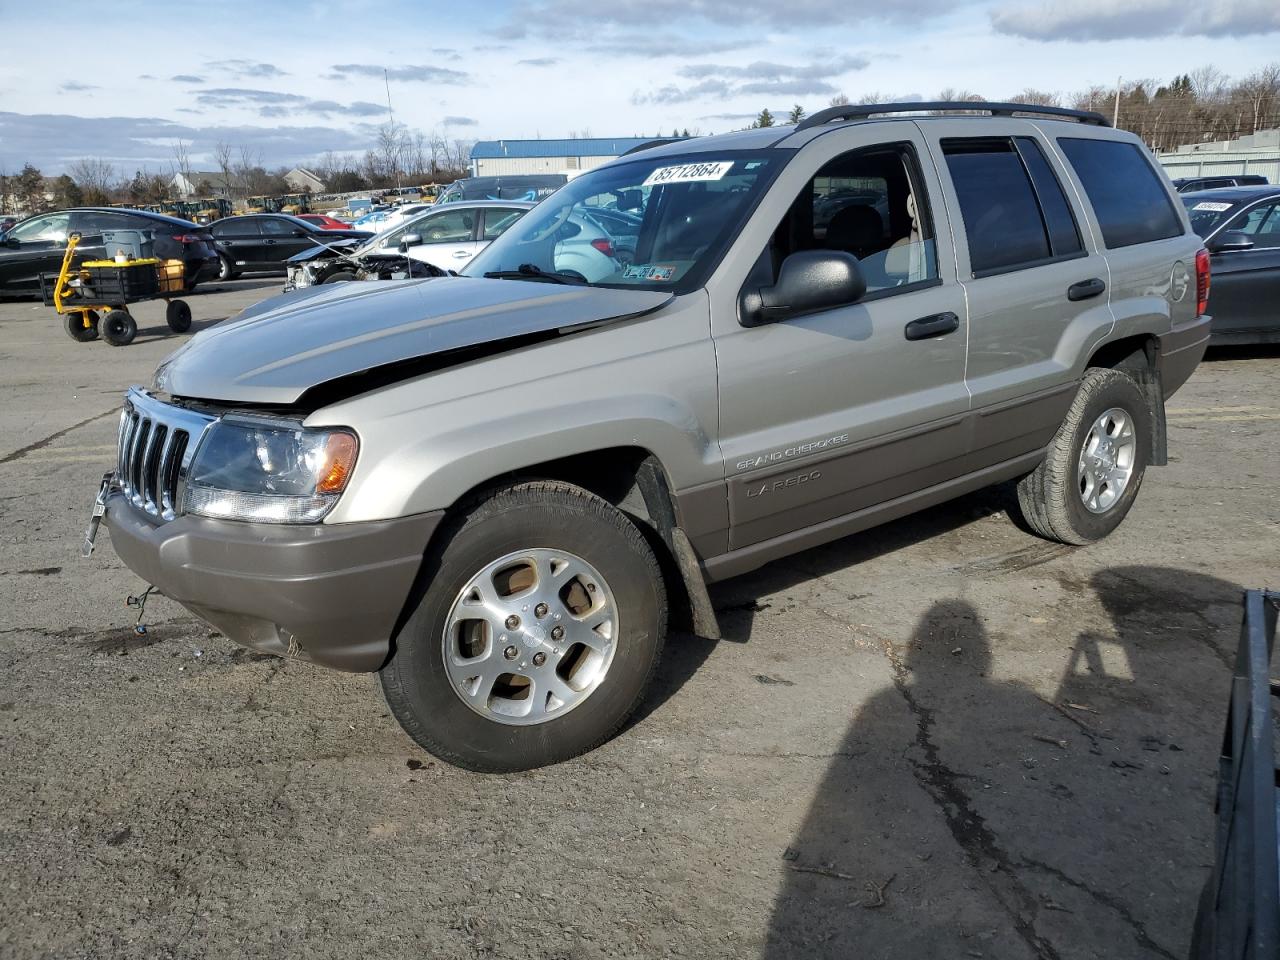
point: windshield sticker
(1215, 207)
(649, 271)
(688, 173)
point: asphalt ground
(941, 738)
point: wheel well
(1139, 357)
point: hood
(312, 253)
(275, 351)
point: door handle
(1086, 289)
(269, 242)
(935, 326)
(459, 254)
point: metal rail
(863, 111)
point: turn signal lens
(340, 457)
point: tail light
(604, 245)
(1202, 283)
(185, 237)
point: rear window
(1206, 214)
(1127, 195)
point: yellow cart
(93, 298)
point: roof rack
(650, 144)
(862, 111)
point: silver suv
(488, 488)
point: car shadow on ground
(1060, 812)
(1244, 351)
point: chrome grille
(157, 442)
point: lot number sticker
(688, 173)
(1215, 207)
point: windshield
(658, 224)
(1206, 215)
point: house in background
(506, 158)
(302, 180)
(199, 183)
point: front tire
(536, 635)
(1087, 483)
(118, 328)
(178, 315)
(226, 269)
(77, 328)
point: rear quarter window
(1127, 195)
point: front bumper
(329, 593)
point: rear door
(1244, 295)
(240, 239)
(33, 248)
(448, 238)
(1034, 280)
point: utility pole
(391, 118)
(1115, 115)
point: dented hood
(275, 351)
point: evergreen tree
(797, 114)
(764, 120)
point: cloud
(460, 122)
(274, 104)
(761, 78)
(73, 87)
(55, 141)
(1085, 20)
(648, 46)
(729, 116)
(797, 14)
(186, 78)
(539, 62)
(247, 68)
(405, 74)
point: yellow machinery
(80, 292)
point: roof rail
(650, 144)
(862, 111)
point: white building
(189, 185)
(505, 158)
(302, 180)
(1257, 153)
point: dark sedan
(37, 244)
(1241, 230)
(262, 242)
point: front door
(240, 240)
(1244, 293)
(281, 240)
(827, 415)
(448, 239)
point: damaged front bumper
(329, 593)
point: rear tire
(1090, 477)
(478, 723)
(178, 315)
(343, 276)
(118, 328)
(73, 323)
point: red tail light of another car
(1202, 283)
(603, 245)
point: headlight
(269, 471)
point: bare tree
(96, 178)
(839, 100)
(182, 163)
(222, 156)
(1040, 98)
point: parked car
(1192, 184)
(486, 487)
(262, 242)
(1241, 229)
(324, 222)
(447, 238)
(37, 244)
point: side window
(1064, 234)
(1127, 195)
(236, 228)
(53, 227)
(869, 203)
(1002, 218)
(452, 227)
(1262, 224)
(93, 222)
(497, 221)
(273, 227)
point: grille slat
(157, 442)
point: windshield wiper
(527, 271)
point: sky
(290, 81)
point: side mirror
(299, 232)
(1229, 241)
(410, 240)
(809, 281)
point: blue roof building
(491, 158)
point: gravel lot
(943, 738)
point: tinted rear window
(1064, 236)
(1127, 195)
(1001, 216)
